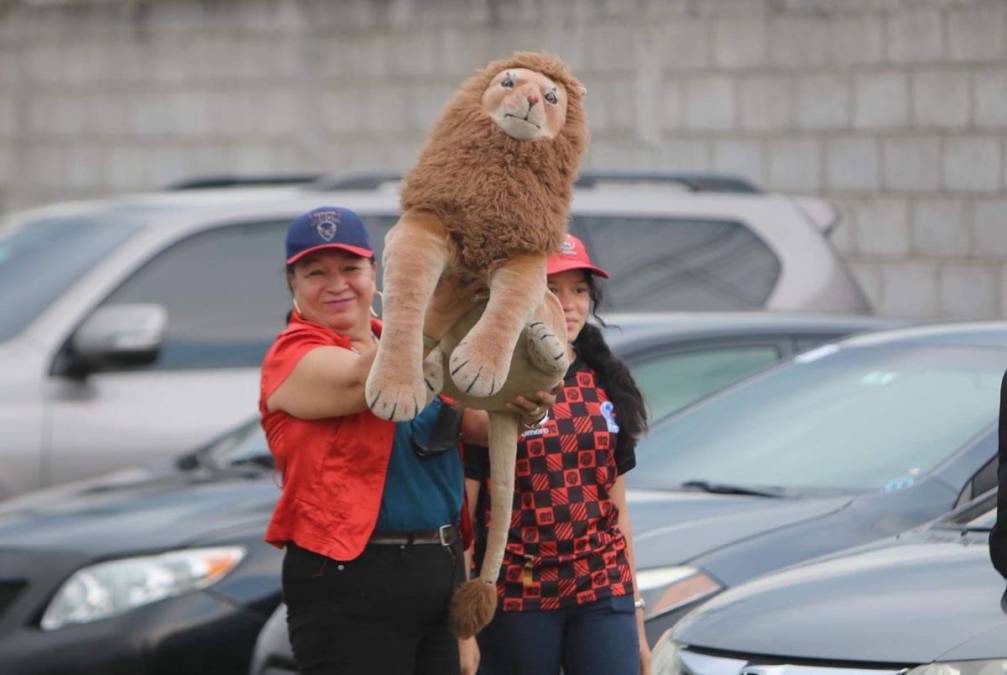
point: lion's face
(525, 104)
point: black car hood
(670, 528)
(924, 596)
(147, 508)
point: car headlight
(667, 588)
(111, 588)
(664, 660)
(993, 667)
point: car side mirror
(119, 335)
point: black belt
(445, 535)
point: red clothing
(564, 547)
(333, 469)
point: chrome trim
(696, 663)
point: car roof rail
(356, 181)
(694, 182)
(215, 182)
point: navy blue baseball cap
(328, 227)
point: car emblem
(326, 224)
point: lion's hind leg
(480, 364)
(545, 338)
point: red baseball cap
(573, 256)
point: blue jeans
(599, 638)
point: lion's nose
(533, 99)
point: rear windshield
(661, 264)
(40, 259)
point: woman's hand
(534, 409)
(475, 423)
(468, 654)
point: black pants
(384, 613)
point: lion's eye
(551, 97)
(508, 82)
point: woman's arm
(618, 496)
(326, 382)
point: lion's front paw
(545, 350)
(475, 373)
(392, 399)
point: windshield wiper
(727, 489)
(260, 461)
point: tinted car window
(41, 259)
(679, 264)
(225, 293)
(986, 479)
(671, 381)
(861, 418)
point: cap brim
(355, 250)
(567, 265)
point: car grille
(698, 663)
(9, 590)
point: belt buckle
(443, 532)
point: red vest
(333, 469)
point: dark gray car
(927, 602)
(847, 444)
(677, 359)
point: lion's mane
(498, 196)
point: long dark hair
(613, 374)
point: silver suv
(133, 326)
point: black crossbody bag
(445, 435)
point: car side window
(671, 381)
(679, 263)
(225, 292)
(984, 480)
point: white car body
(58, 428)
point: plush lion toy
(465, 270)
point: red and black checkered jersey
(564, 546)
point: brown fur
(472, 607)
(498, 196)
(481, 211)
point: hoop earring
(297, 308)
(374, 312)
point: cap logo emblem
(568, 248)
(326, 223)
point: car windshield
(245, 445)
(39, 259)
(858, 418)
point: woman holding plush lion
(370, 509)
(566, 589)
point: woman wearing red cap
(369, 511)
(567, 587)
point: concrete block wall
(895, 110)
